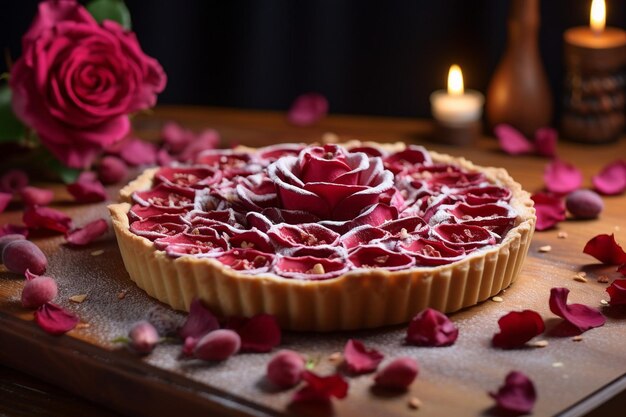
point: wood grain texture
(453, 381)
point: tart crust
(355, 300)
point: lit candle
(456, 107)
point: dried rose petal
(432, 252)
(550, 210)
(259, 333)
(373, 256)
(517, 395)
(561, 177)
(303, 235)
(112, 170)
(38, 291)
(8, 238)
(165, 196)
(139, 212)
(398, 374)
(546, 139)
(517, 328)
(33, 196)
(511, 140)
(13, 181)
(158, 226)
(622, 269)
(605, 249)
(483, 195)
(359, 359)
(408, 158)
(20, 255)
(46, 218)
(431, 328)
(246, 260)
(362, 235)
(321, 388)
(54, 319)
(617, 292)
(580, 316)
(463, 235)
(5, 199)
(88, 233)
(207, 139)
(13, 229)
(307, 109)
(138, 152)
(285, 369)
(87, 189)
(612, 179)
(176, 137)
(199, 322)
(309, 267)
(217, 345)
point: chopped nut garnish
(381, 259)
(404, 234)
(415, 403)
(335, 357)
(247, 245)
(79, 298)
(577, 338)
(580, 278)
(82, 325)
(603, 279)
(544, 249)
(539, 343)
(97, 252)
(122, 294)
(317, 269)
(557, 365)
(497, 299)
(562, 235)
(604, 302)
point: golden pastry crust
(355, 300)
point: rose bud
(20, 255)
(13, 181)
(38, 291)
(143, 337)
(285, 369)
(217, 345)
(584, 204)
(112, 170)
(399, 374)
(6, 239)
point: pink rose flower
(77, 81)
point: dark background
(366, 57)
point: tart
(324, 237)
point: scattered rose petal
(517, 395)
(580, 316)
(511, 140)
(545, 141)
(307, 109)
(87, 189)
(46, 218)
(561, 177)
(13, 229)
(138, 152)
(20, 255)
(38, 291)
(217, 345)
(13, 181)
(33, 196)
(517, 328)
(8, 238)
(199, 322)
(260, 333)
(622, 269)
(5, 199)
(617, 292)
(112, 170)
(550, 210)
(605, 249)
(398, 374)
(88, 233)
(359, 359)
(54, 319)
(285, 369)
(205, 140)
(612, 179)
(321, 388)
(431, 328)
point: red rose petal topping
(432, 252)
(612, 179)
(411, 225)
(13, 229)
(375, 216)
(187, 177)
(139, 212)
(54, 319)
(561, 177)
(13, 181)
(511, 140)
(309, 267)
(398, 374)
(605, 249)
(247, 260)
(138, 152)
(88, 233)
(517, 395)
(259, 333)
(33, 196)
(517, 328)
(463, 235)
(321, 388)
(273, 152)
(165, 196)
(411, 156)
(46, 218)
(362, 235)
(307, 109)
(199, 322)
(431, 328)
(379, 257)
(87, 189)
(304, 235)
(621, 269)
(617, 292)
(252, 239)
(475, 196)
(550, 210)
(5, 199)
(359, 359)
(580, 316)
(546, 139)
(158, 226)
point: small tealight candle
(457, 110)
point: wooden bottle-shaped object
(519, 93)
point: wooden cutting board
(571, 376)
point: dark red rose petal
(494, 217)
(375, 216)
(273, 152)
(511, 140)
(199, 322)
(517, 328)
(5, 199)
(13, 229)
(561, 177)
(431, 328)
(46, 218)
(580, 316)
(409, 157)
(252, 239)
(139, 212)
(248, 260)
(304, 235)
(617, 292)
(621, 269)
(165, 196)
(517, 395)
(475, 196)
(432, 252)
(320, 388)
(13, 181)
(373, 256)
(546, 139)
(309, 268)
(260, 333)
(463, 235)
(406, 225)
(605, 249)
(33, 196)
(398, 374)
(307, 109)
(612, 179)
(359, 359)
(362, 235)
(158, 226)
(88, 233)
(550, 210)
(187, 177)
(54, 319)
(87, 189)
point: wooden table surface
(603, 349)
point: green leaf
(67, 175)
(115, 10)
(11, 129)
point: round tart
(324, 237)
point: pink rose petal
(431, 328)
(87, 189)
(13, 181)
(398, 374)
(138, 152)
(54, 319)
(308, 109)
(517, 395)
(112, 170)
(5, 199)
(46, 218)
(88, 233)
(517, 328)
(320, 388)
(33, 196)
(561, 177)
(199, 322)
(612, 179)
(260, 333)
(13, 229)
(511, 140)
(359, 359)
(550, 210)
(617, 292)
(605, 249)
(580, 316)
(546, 139)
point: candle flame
(597, 17)
(455, 81)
